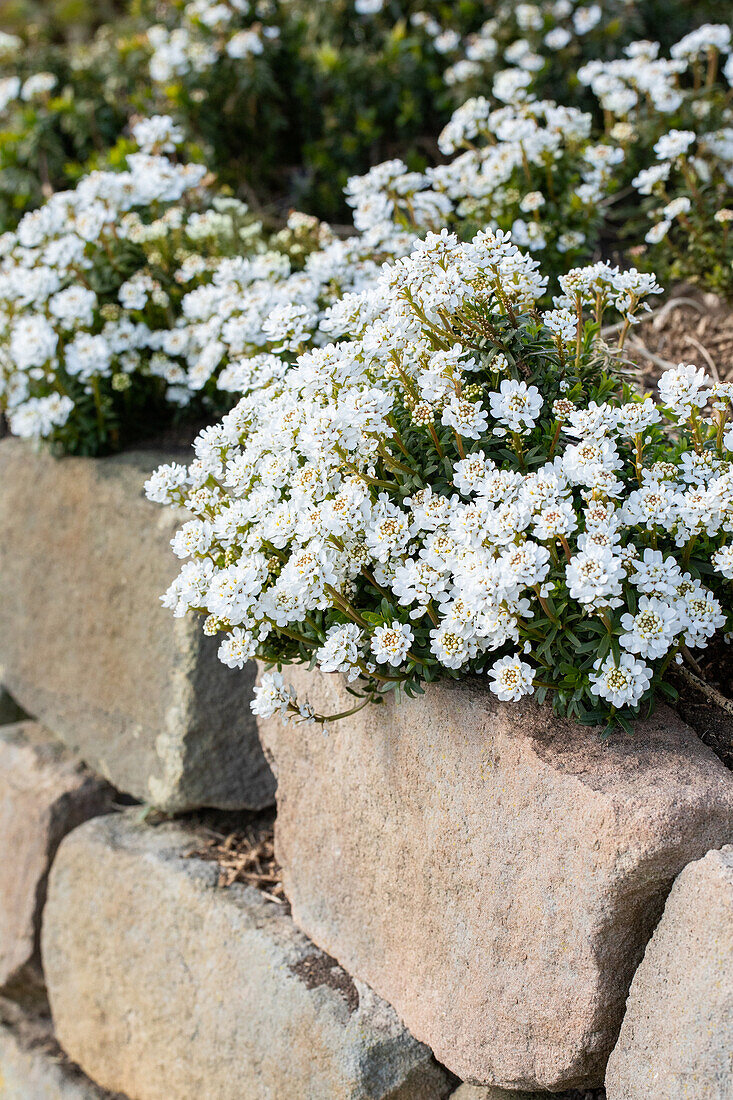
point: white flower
(245, 43)
(636, 416)
(35, 418)
(236, 650)
(557, 38)
(674, 144)
(723, 561)
(621, 684)
(341, 651)
(37, 85)
(157, 133)
(648, 178)
(467, 417)
(658, 232)
(272, 696)
(652, 630)
(33, 342)
(594, 577)
(678, 206)
(563, 323)
(656, 575)
(516, 405)
(450, 645)
(512, 678)
(703, 615)
(585, 19)
(684, 387)
(391, 644)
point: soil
(316, 970)
(690, 327)
(713, 725)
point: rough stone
(33, 1067)
(676, 1040)
(44, 793)
(490, 870)
(87, 648)
(162, 985)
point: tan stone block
(44, 794)
(164, 986)
(32, 1066)
(490, 870)
(676, 1040)
(88, 650)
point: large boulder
(86, 648)
(490, 870)
(676, 1040)
(164, 986)
(44, 794)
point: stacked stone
(132, 705)
(475, 887)
(496, 873)
(87, 649)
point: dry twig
(704, 352)
(706, 689)
(247, 857)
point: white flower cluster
(685, 168)
(544, 172)
(207, 31)
(142, 274)
(53, 335)
(527, 167)
(126, 277)
(519, 42)
(365, 512)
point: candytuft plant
(468, 486)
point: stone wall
(87, 649)
(470, 891)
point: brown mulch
(690, 327)
(245, 853)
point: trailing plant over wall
(466, 486)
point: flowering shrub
(673, 118)
(143, 292)
(546, 41)
(293, 97)
(91, 286)
(528, 167)
(554, 178)
(62, 107)
(465, 487)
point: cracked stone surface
(162, 985)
